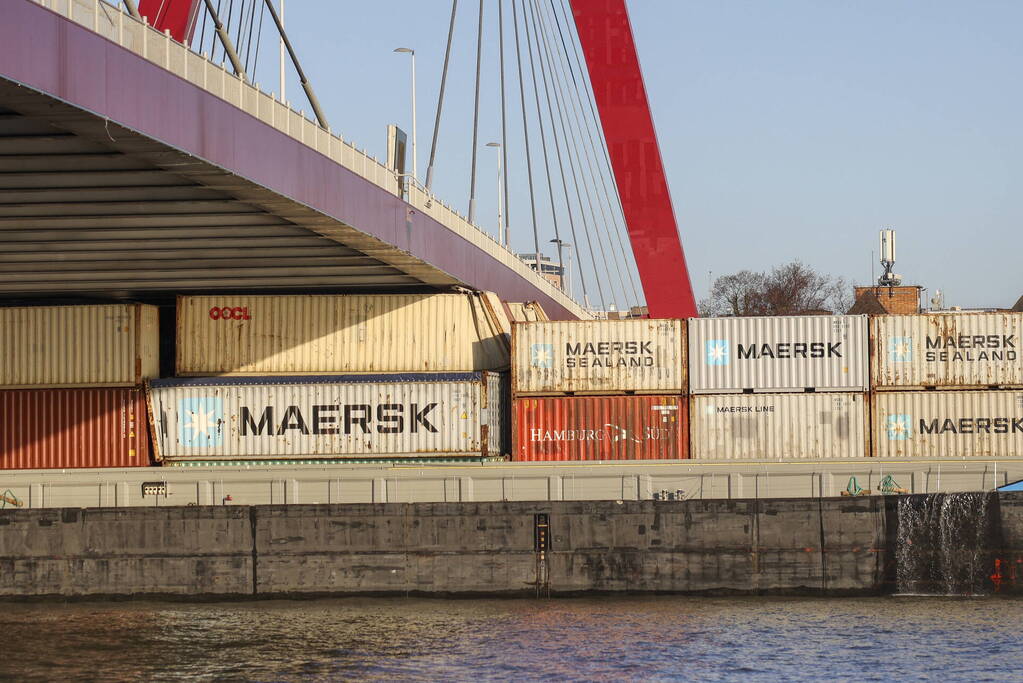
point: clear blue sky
(790, 129)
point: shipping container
(598, 357)
(345, 416)
(778, 354)
(788, 426)
(324, 334)
(958, 424)
(73, 428)
(599, 428)
(946, 351)
(79, 346)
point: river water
(612, 638)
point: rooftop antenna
(888, 277)
(938, 300)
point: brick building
(900, 300)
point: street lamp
(566, 277)
(502, 229)
(412, 52)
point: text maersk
(971, 348)
(973, 425)
(599, 355)
(384, 418)
(791, 350)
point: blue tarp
(1014, 486)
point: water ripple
(593, 639)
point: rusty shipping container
(347, 416)
(599, 428)
(73, 428)
(325, 334)
(598, 357)
(788, 426)
(778, 354)
(958, 424)
(947, 351)
(78, 346)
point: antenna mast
(888, 277)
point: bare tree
(789, 289)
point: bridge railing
(115, 24)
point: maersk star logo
(541, 355)
(900, 349)
(716, 352)
(201, 422)
(898, 427)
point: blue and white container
(344, 416)
(806, 353)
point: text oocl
(229, 313)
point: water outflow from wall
(944, 544)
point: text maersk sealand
(961, 348)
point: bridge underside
(90, 209)
(122, 179)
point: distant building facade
(550, 270)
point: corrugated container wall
(960, 424)
(315, 334)
(79, 346)
(365, 416)
(775, 354)
(72, 428)
(778, 426)
(599, 428)
(598, 356)
(947, 350)
(529, 311)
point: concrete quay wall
(795, 546)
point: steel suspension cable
(525, 131)
(591, 167)
(476, 120)
(202, 33)
(440, 96)
(543, 135)
(504, 128)
(259, 38)
(580, 187)
(587, 94)
(248, 46)
(561, 168)
(241, 23)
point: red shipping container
(73, 428)
(600, 428)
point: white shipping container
(598, 356)
(354, 416)
(778, 354)
(959, 424)
(116, 345)
(317, 334)
(947, 350)
(778, 426)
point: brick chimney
(900, 300)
